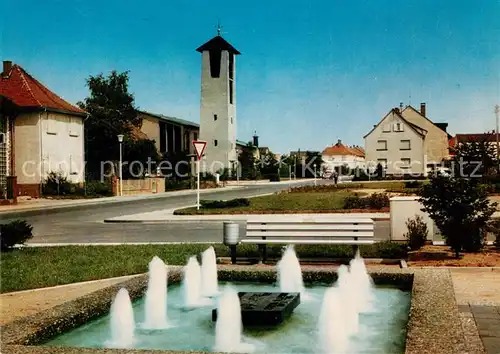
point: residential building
(460, 139)
(218, 103)
(40, 132)
(338, 155)
(406, 141)
(170, 134)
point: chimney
(422, 109)
(7, 65)
(400, 106)
(339, 142)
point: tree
(461, 210)
(313, 159)
(475, 158)
(112, 112)
(247, 162)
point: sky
(309, 73)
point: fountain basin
(265, 308)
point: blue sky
(311, 72)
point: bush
(495, 230)
(98, 188)
(461, 210)
(220, 204)
(354, 202)
(173, 185)
(377, 201)
(57, 184)
(413, 184)
(417, 233)
(13, 233)
(274, 177)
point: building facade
(339, 155)
(42, 133)
(218, 104)
(405, 141)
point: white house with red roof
(343, 155)
(39, 133)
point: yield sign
(199, 146)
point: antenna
(219, 28)
(409, 98)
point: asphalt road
(86, 225)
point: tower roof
(218, 43)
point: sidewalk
(166, 215)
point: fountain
(333, 336)
(229, 326)
(346, 289)
(362, 282)
(156, 296)
(122, 321)
(290, 273)
(191, 283)
(209, 284)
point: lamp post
(120, 140)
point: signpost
(199, 147)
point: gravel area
(434, 325)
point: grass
(31, 268)
(281, 202)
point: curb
(36, 245)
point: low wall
(246, 182)
(139, 186)
(404, 208)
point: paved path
(477, 292)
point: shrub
(461, 210)
(413, 184)
(495, 230)
(417, 233)
(354, 202)
(377, 201)
(219, 204)
(98, 188)
(57, 184)
(172, 185)
(13, 233)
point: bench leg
(262, 252)
(233, 254)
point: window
(382, 162)
(215, 142)
(231, 120)
(381, 145)
(386, 128)
(405, 145)
(231, 93)
(50, 125)
(195, 136)
(215, 117)
(73, 126)
(405, 162)
(398, 127)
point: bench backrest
(333, 228)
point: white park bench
(263, 230)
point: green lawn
(31, 268)
(332, 200)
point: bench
(308, 230)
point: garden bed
(442, 256)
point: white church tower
(218, 104)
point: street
(87, 226)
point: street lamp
(120, 140)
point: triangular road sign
(199, 146)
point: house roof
(171, 119)
(218, 43)
(420, 131)
(26, 92)
(340, 149)
(468, 138)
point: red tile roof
(27, 92)
(341, 149)
(481, 137)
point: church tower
(218, 104)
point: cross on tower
(219, 28)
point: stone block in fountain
(265, 309)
